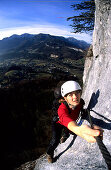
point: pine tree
(85, 21)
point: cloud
(46, 29)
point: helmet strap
(71, 106)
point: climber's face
(73, 98)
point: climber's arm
(84, 131)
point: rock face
(96, 78)
(78, 154)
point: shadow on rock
(94, 100)
(57, 157)
(92, 103)
(101, 122)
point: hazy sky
(38, 16)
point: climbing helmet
(69, 86)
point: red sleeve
(64, 115)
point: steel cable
(102, 147)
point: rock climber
(71, 92)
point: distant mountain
(28, 40)
(13, 42)
(30, 68)
(79, 43)
(26, 56)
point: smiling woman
(69, 112)
(73, 98)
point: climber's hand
(85, 131)
(101, 131)
(89, 134)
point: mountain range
(30, 68)
(25, 56)
(27, 40)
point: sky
(38, 16)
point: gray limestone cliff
(77, 154)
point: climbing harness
(102, 147)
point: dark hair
(57, 90)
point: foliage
(85, 21)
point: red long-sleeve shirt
(65, 117)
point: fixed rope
(102, 147)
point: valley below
(30, 68)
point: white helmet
(69, 86)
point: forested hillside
(30, 69)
